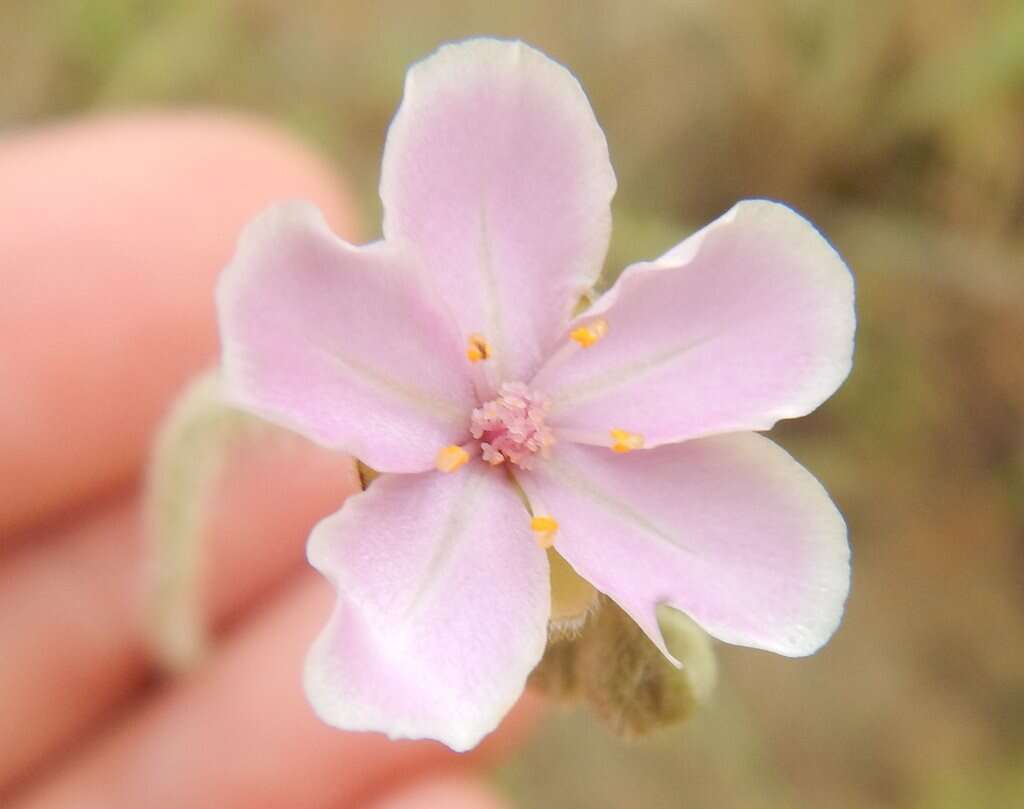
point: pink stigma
(511, 427)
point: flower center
(511, 427)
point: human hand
(112, 235)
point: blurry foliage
(995, 787)
(899, 128)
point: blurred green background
(898, 127)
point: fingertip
(271, 493)
(115, 231)
(514, 730)
(448, 791)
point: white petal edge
(340, 343)
(730, 530)
(748, 321)
(496, 174)
(443, 602)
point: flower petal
(729, 529)
(746, 322)
(339, 343)
(497, 174)
(443, 607)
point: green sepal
(189, 452)
(615, 669)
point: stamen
(625, 441)
(587, 335)
(478, 348)
(544, 529)
(490, 454)
(511, 428)
(451, 458)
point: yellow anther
(586, 336)
(544, 529)
(451, 458)
(478, 348)
(625, 441)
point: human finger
(114, 232)
(239, 733)
(450, 791)
(70, 603)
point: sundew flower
(447, 357)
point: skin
(114, 231)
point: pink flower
(446, 356)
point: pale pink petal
(749, 321)
(339, 343)
(443, 601)
(729, 529)
(497, 174)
